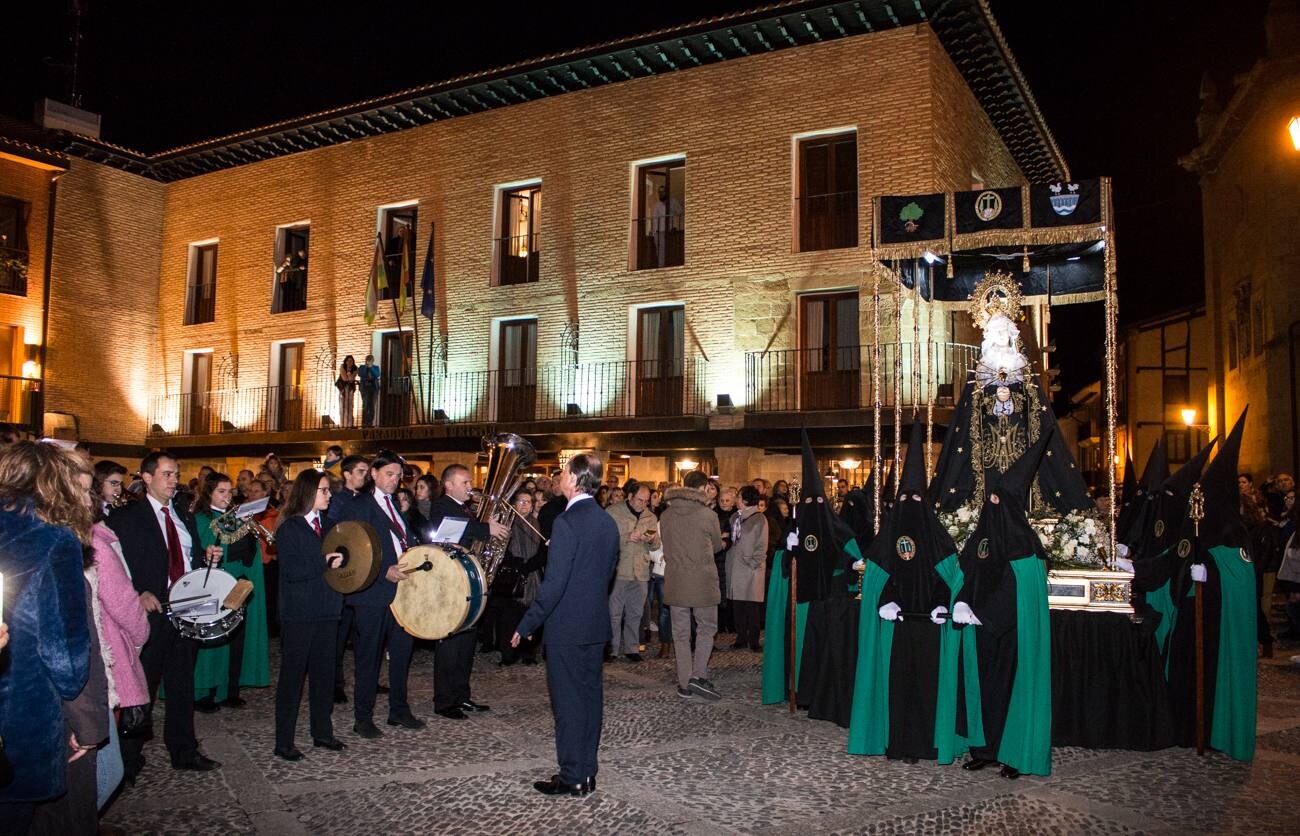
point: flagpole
(409, 262)
(393, 299)
(428, 265)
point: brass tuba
(508, 454)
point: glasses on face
(114, 483)
(322, 490)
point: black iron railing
(201, 303)
(13, 271)
(828, 221)
(517, 259)
(660, 240)
(810, 379)
(621, 389)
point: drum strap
(400, 529)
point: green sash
(953, 642)
(1027, 737)
(775, 685)
(1232, 729)
(869, 719)
(212, 663)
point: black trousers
(574, 678)
(271, 576)
(341, 644)
(747, 615)
(306, 649)
(236, 664)
(167, 658)
(374, 626)
(453, 662)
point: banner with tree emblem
(912, 218)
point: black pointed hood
(1157, 469)
(1128, 490)
(1222, 525)
(1015, 482)
(1174, 493)
(819, 554)
(1139, 514)
(913, 481)
(858, 512)
(889, 492)
(1003, 533)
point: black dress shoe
(290, 754)
(470, 705)
(590, 785)
(333, 744)
(340, 696)
(1009, 772)
(633, 657)
(555, 786)
(406, 721)
(234, 702)
(976, 764)
(453, 713)
(198, 763)
(381, 689)
(207, 705)
(367, 729)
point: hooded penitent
(823, 554)
(1139, 515)
(1171, 507)
(904, 699)
(1217, 542)
(1005, 569)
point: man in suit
(453, 657)
(160, 543)
(355, 469)
(573, 605)
(376, 506)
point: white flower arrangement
(1076, 541)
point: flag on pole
(426, 280)
(405, 278)
(378, 281)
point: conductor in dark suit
(573, 605)
(376, 506)
(453, 657)
(160, 542)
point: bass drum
(206, 604)
(445, 593)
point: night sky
(1118, 82)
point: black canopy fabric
(1061, 274)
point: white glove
(961, 614)
(1199, 574)
(890, 611)
(859, 565)
(1122, 550)
(792, 540)
(1123, 564)
(936, 614)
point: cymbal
(359, 544)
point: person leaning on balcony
(368, 380)
(347, 386)
(638, 535)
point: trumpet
(229, 527)
(516, 515)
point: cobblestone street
(670, 765)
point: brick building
(621, 237)
(1248, 161)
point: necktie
(175, 563)
(315, 523)
(392, 513)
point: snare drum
(444, 593)
(196, 605)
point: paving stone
(186, 817)
(1283, 741)
(1008, 814)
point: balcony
(517, 259)
(13, 271)
(813, 379)
(561, 394)
(660, 241)
(201, 303)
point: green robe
(212, 664)
(776, 628)
(1232, 728)
(1027, 737)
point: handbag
(1290, 568)
(133, 721)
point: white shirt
(311, 519)
(382, 499)
(182, 531)
(577, 499)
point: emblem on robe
(810, 543)
(1184, 548)
(1245, 555)
(1160, 528)
(983, 549)
(906, 548)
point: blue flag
(426, 280)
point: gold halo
(997, 293)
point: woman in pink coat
(125, 627)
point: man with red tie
(453, 657)
(374, 621)
(160, 543)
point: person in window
(368, 378)
(347, 386)
(665, 222)
(292, 275)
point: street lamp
(1189, 416)
(1294, 128)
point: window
(1257, 325)
(13, 246)
(660, 224)
(1232, 345)
(517, 370)
(660, 363)
(1177, 392)
(288, 389)
(1242, 294)
(201, 285)
(830, 355)
(828, 192)
(291, 251)
(397, 226)
(395, 402)
(517, 246)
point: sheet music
(450, 530)
(248, 509)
